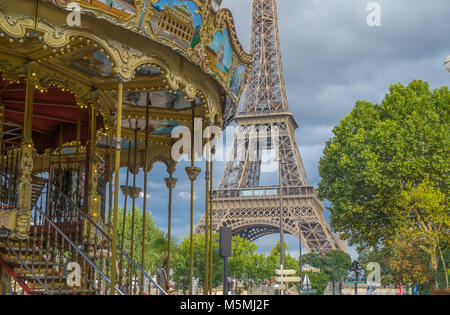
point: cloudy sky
(331, 58)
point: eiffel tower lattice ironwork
(239, 202)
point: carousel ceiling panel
(147, 70)
(125, 144)
(90, 61)
(160, 99)
(120, 8)
(52, 110)
(155, 127)
(24, 45)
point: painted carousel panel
(155, 127)
(147, 69)
(92, 63)
(177, 21)
(104, 142)
(122, 8)
(159, 99)
(237, 81)
(221, 52)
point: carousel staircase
(35, 271)
(37, 184)
(60, 236)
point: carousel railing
(19, 286)
(89, 235)
(9, 175)
(62, 264)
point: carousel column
(116, 190)
(170, 183)
(93, 196)
(207, 188)
(211, 182)
(192, 173)
(26, 159)
(110, 177)
(2, 115)
(144, 206)
(134, 194)
(93, 179)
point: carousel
(89, 87)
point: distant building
(178, 21)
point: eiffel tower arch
(251, 210)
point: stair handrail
(80, 252)
(107, 237)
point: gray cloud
(332, 58)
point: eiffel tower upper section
(266, 91)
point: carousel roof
(197, 29)
(170, 55)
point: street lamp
(356, 274)
(447, 64)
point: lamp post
(281, 214)
(447, 64)
(356, 274)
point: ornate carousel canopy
(87, 87)
(167, 53)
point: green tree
(425, 222)
(319, 281)
(313, 259)
(408, 264)
(260, 269)
(242, 265)
(180, 263)
(383, 258)
(274, 258)
(336, 264)
(155, 240)
(378, 152)
(444, 268)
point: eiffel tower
(239, 202)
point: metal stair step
(37, 263)
(42, 277)
(64, 292)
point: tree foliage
(334, 264)
(246, 265)
(155, 239)
(408, 264)
(381, 256)
(425, 222)
(319, 281)
(181, 263)
(386, 170)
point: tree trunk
(434, 269)
(444, 266)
